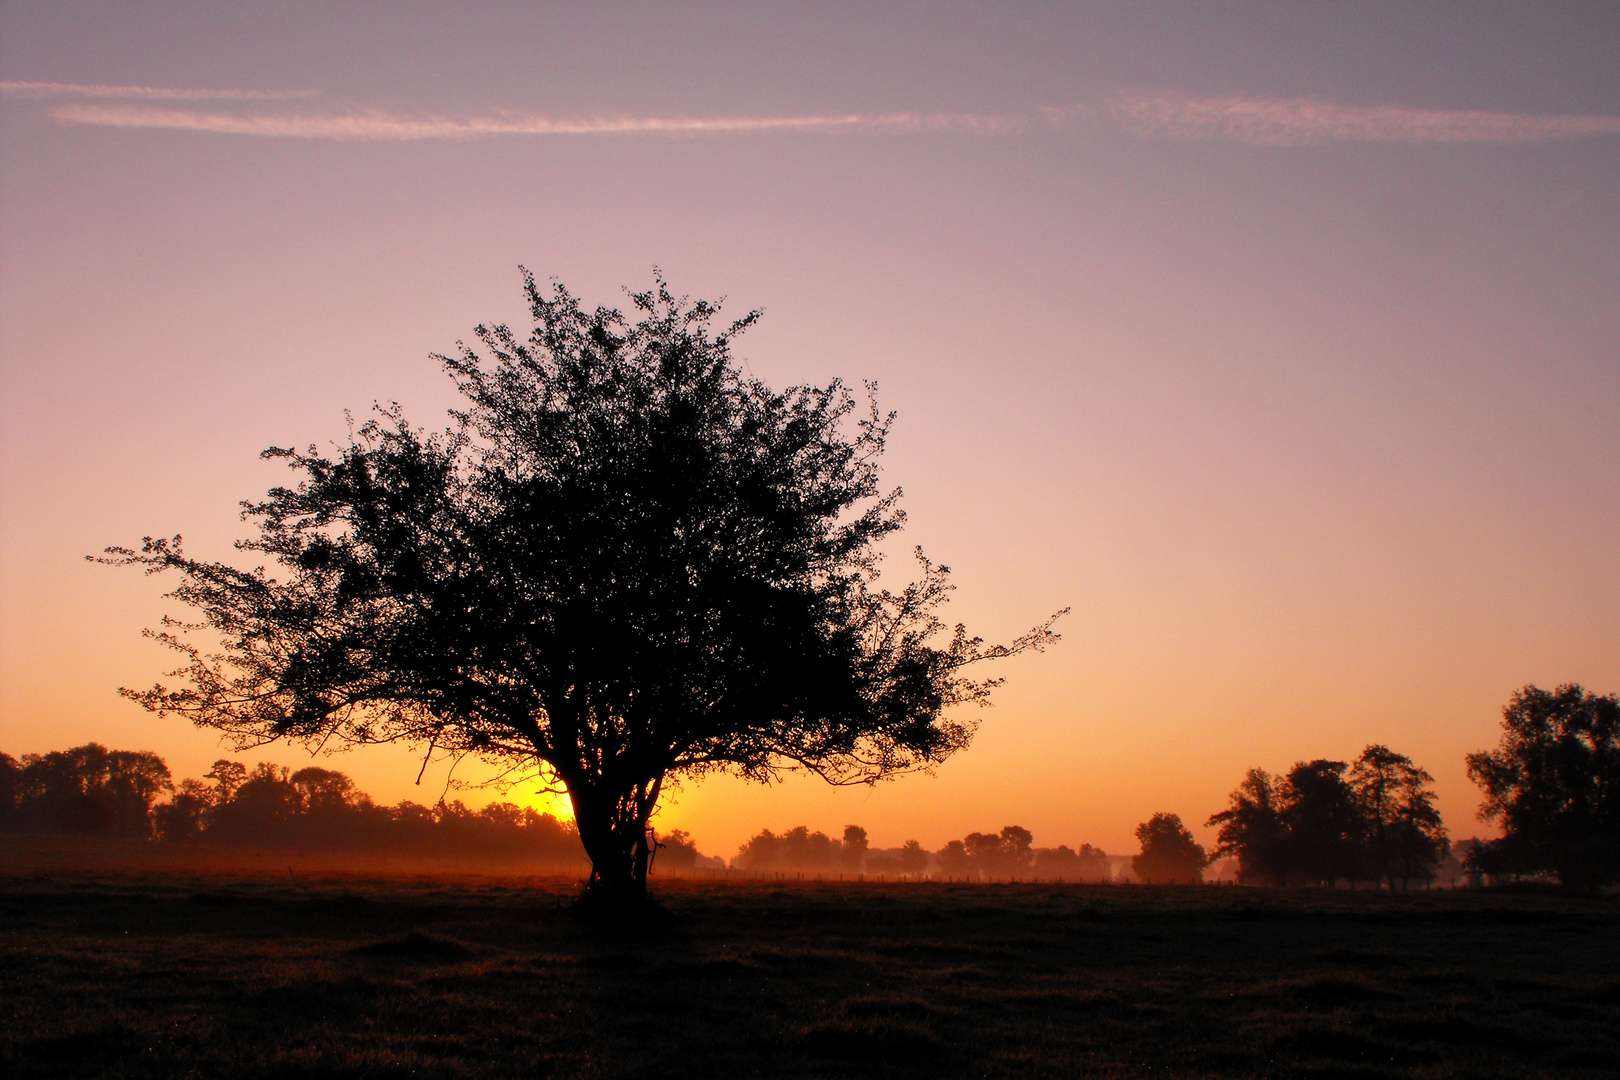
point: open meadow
(171, 972)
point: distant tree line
(1553, 785)
(92, 791)
(1011, 853)
(1006, 855)
(801, 851)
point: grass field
(177, 973)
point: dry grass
(174, 973)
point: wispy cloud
(1256, 121)
(1311, 122)
(161, 93)
(375, 125)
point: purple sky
(1280, 341)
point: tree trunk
(613, 830)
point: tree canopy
(1554, 785)
(625, 560)
(1169, 855)
(1402, 837)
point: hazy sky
(1282, 342)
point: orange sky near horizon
(1282, 347)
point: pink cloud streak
(1254, 121)
(1312, 122)
(378, 125)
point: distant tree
(227, 776)
(10, 784)
(1553, 784)
(1504, 859)
(1063, 862)
(501, 832)
(1017, 849)
(1402, 836)
(187, 813)
(1008, 853)
(413, 820)
(954, 860)
(759, 852)
(912, 859)
(1322, 824)
(626, 561)
(262, 810)
(1451, 869)
(191, 813)
(804, 850)
(1170, 855)
(907, 861)
(1094, 864)
(798, 849)
(323, 790)
(853, 852)
(90, 789)
(1252, 830)
(677, 854)
(983, 851)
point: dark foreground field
(181, 974)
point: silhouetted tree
(625, 561)
(983, 852)
(954, 861)
(805, 850)
(323, 789)
(759, 852)
(1507, 858)
(261, 810)
(908, 860)
(1170, 855)
(1017, 849)
(192, 812)
(227, 776)
(1554, 785)
(1063, 862)
(1322, 823)
(853, 851)
(10, 784)
(1313, 825)
(1008, 853)
(1252, 830)
(187, 813)
(798, 849)
(1402, 837)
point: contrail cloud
(376, 125)
(160, 93)
(1312, 122)
(1252, 121)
